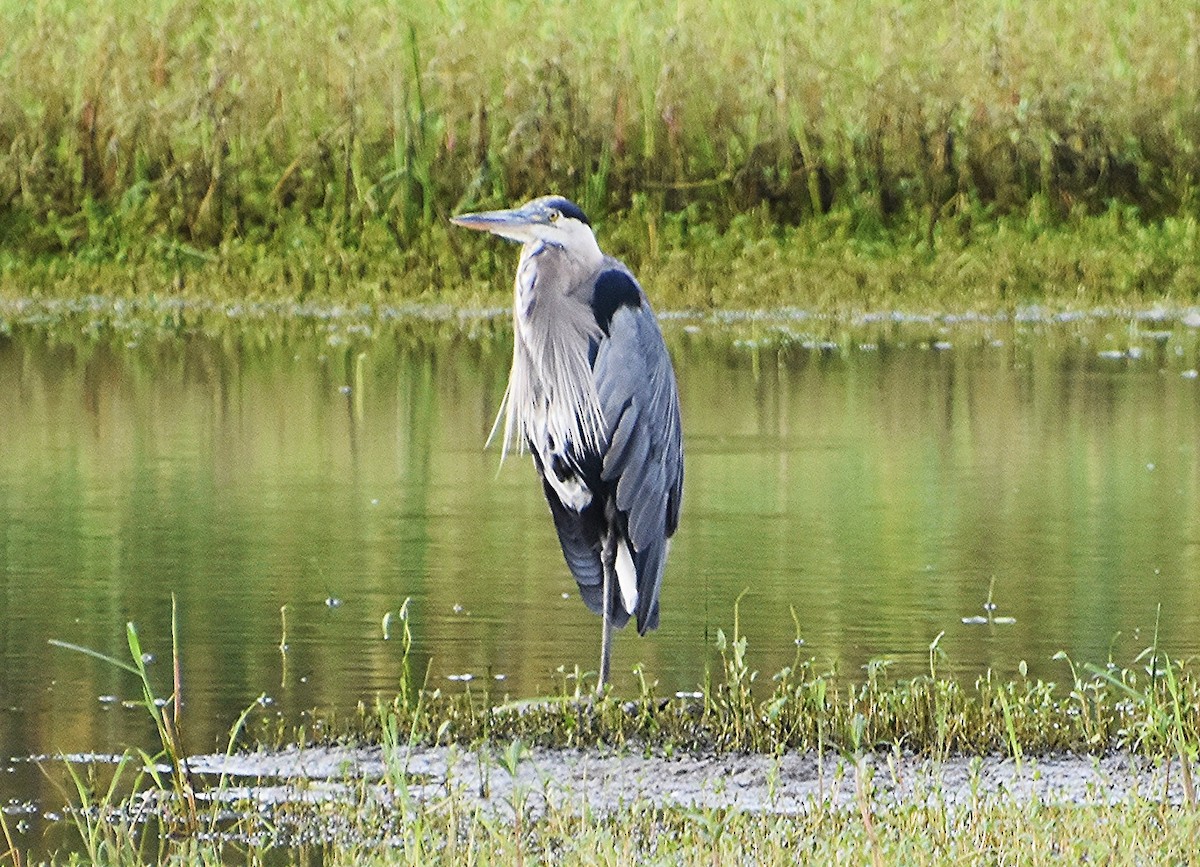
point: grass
(820, 266)
(1151, 709)
(993, 829)
(882, 153)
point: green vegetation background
(826, 154)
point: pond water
(871, 489)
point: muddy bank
(608, 781)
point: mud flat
(608, 781)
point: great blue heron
(592, 395)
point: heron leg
(608, 558)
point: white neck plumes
(551, 398)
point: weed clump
(1151, 708)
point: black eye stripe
(565, 208)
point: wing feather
(618, 445)
(643, 459)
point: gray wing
(643, 460)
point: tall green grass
(330, 135)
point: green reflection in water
(877, 484)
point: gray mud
(608, 781)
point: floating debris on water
(979, 619)
(19, 808)
(464, 678)
(332, 602)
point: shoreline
(608, 779)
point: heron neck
(584, 252)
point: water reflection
(876, 486)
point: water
(876, 487)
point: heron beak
(515, 224)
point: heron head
(551, 219)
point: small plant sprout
(936, 653)
(989, 608)
(283, 645)
(515, 753)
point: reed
(296, 144)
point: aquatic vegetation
(1154, 708)
(870, 730)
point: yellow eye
(555, 215)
